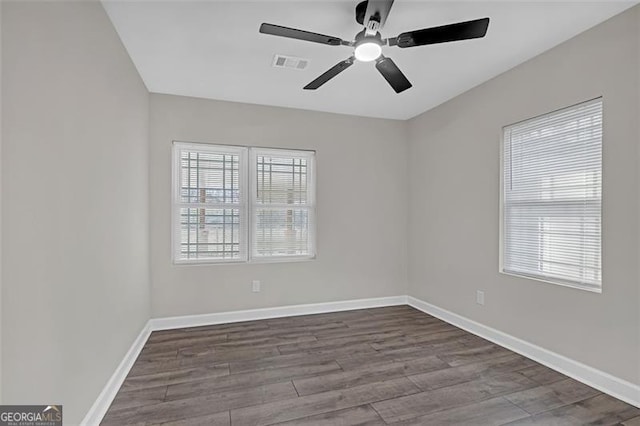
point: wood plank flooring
(380, 366)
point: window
(282, 203)
(552, 196)
(210, 211)
(219, 216)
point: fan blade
(277, 30)
(392, 74)
(376, 15)
(454, 32)
(330, 73)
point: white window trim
(310, 206)
(176, 205)
(247, 155)
(501, 225)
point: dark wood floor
(367, 367)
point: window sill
(551, 281)
(209, 262)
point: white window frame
(247, 172)
(254, 153)
(176, 240)
(502, 218)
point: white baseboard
(101, 405)
(604, 382)
(600, 380)
(265, 313)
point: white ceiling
(212, 49)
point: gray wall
(0, 202)
(75, 190)
(361, 198)
(80, 141)
(454, 201)
(637, 9)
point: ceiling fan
(367, 46)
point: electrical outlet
(256, 286)
(480, 297)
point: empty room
(332, 213)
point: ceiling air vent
(281, 61)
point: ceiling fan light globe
(368, 51)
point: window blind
(552, 196)
(283, 204)
(209, 203)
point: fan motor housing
(367, 47)
(363, 37)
